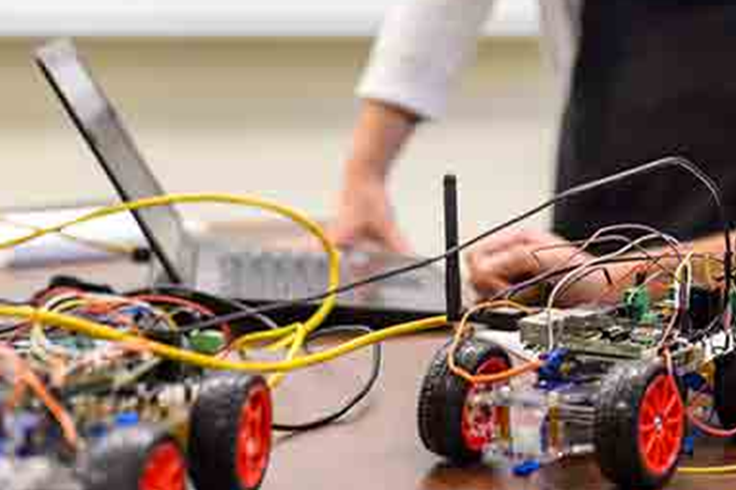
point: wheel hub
(661, 424)
(479, 417)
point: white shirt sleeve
(421, 48)
(560, 26)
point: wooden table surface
(377, 446)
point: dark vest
(652, 78)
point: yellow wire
(295, 333)
(283, 343)
(698, 470)
(71, 304)
(707, 470)
(241, 342)
(686, 262)
(91, 300)
(110, 247)
(701, 470)
(104, 332)
(299, 339)
(309, 225)
(42, 346)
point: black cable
(676, 161)
(516, 288)
(208, 300)
(551, 274)
(6, 329)
(352, 402)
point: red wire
(47, 295)
(705, 427)
(175, 300)
(700, 424)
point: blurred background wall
(272, 115)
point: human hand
(365, 217)
(510, 257)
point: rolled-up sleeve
(421, 48)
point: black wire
(192, 294)
(676, 161)
(6, 329)
(206, 299)
(352, 402)
(516, 288)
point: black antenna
(452, 261)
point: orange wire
(57, 410)
(700, 424)
(486, 378)
(707, 428)
(704, 426)
(175, 300)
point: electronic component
(504, 318)
(593, 332)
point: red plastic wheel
(254, 437)
(661, 424)
(478, 422)
(165, 469)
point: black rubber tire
(214, 428)
(117, 461)
(442, 399)
(725, 390)
(616, 427)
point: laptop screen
(109, 140)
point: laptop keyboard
(286, 275)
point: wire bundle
(293, 338)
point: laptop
(254, 275)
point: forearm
(381, 132)
(420, 50)
(364, 213)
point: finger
(515, 237)
(487, 285)
(497, 242)
(544, 247)
(506, 267)
(518, 255)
